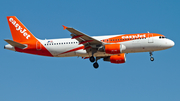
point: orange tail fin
(19, 32)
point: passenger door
(150, 38)
(38, 45)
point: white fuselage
(63, 47)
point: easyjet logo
(19, 28)
(134, 36)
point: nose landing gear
(152, 59)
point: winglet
(64, 27)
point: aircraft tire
(152, 59)
(96, 65)
(92, 59)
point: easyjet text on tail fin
(19, 32)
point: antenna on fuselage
(147, 31)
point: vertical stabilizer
(19, 32)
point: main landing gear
(152, 59)
(96, 65)
(92, 59)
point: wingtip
(64, 27)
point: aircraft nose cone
(171, 43)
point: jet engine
(120, 58)
(114, 48)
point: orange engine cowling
(120, 58)
(114, 48)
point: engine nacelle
(120, 58)
(114, 48)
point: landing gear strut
(152, 59)
(92, 59)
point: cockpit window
(162, 37)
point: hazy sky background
(25, 77)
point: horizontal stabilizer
(15, 44)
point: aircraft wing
(83, 38)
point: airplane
(111, 48)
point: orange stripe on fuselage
(75, 49)
(33, 49)
(129, 37)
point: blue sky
(25, 77)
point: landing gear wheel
(152, 59)
(92, 59)
(96, 65)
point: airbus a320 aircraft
(110, 48)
